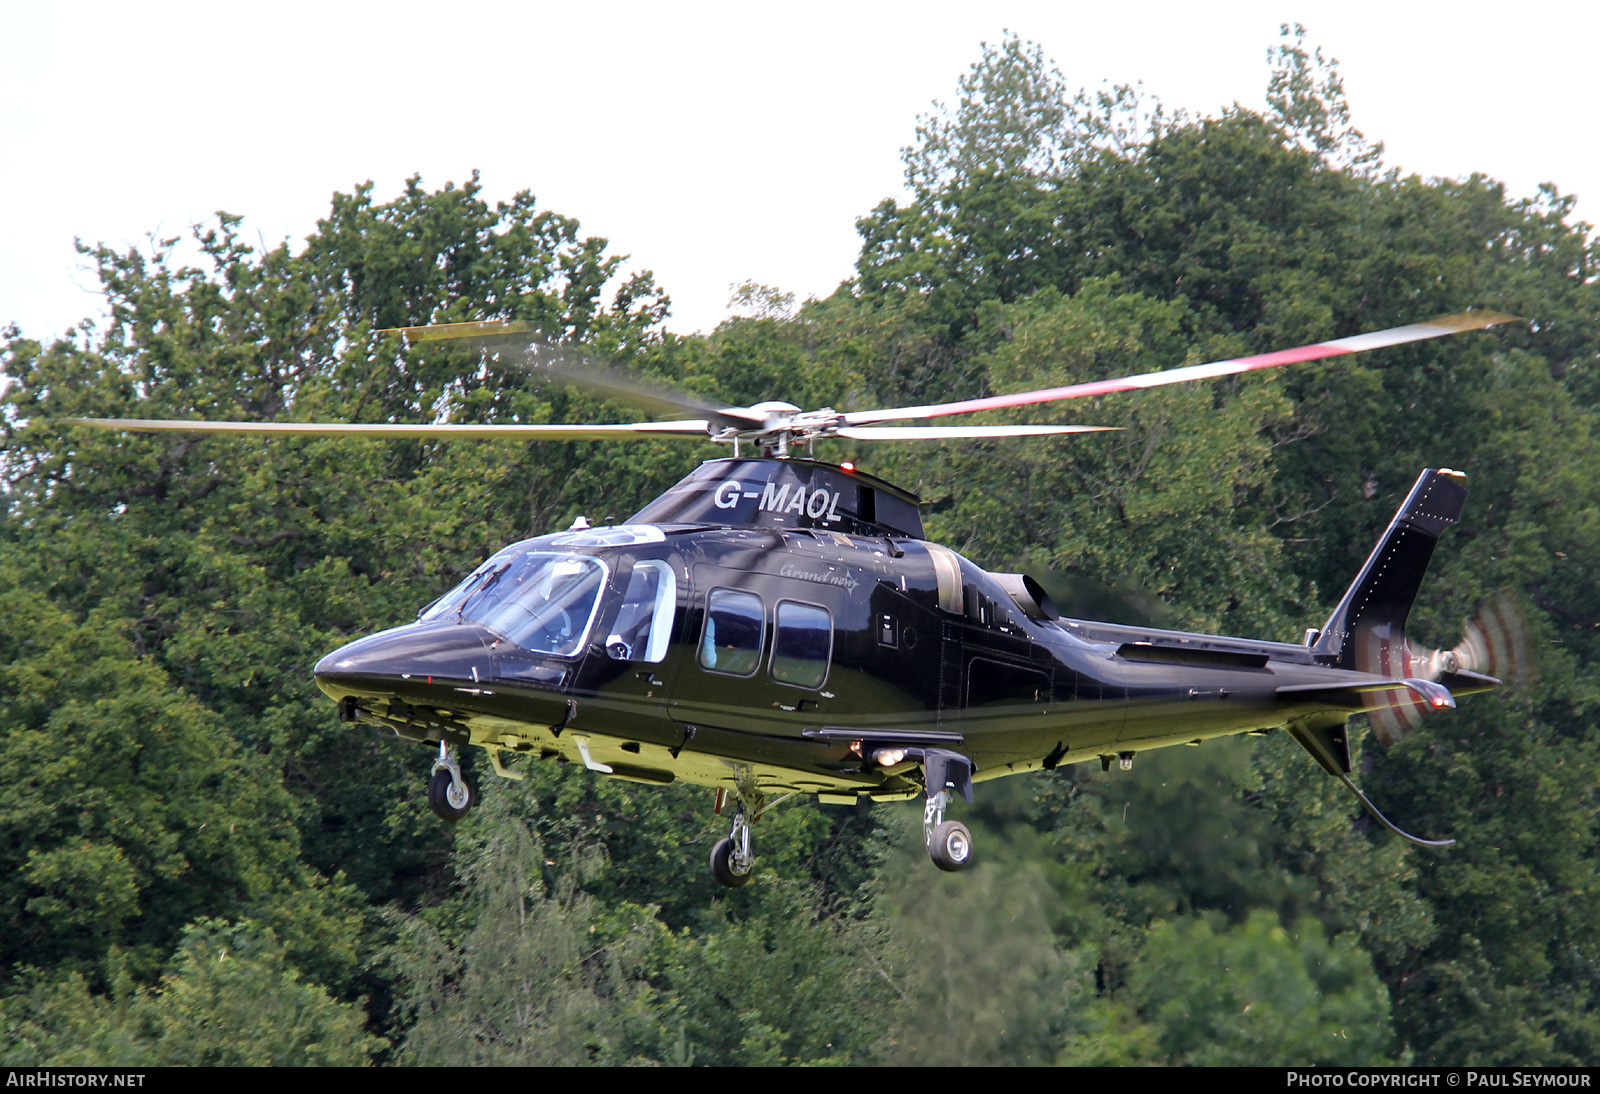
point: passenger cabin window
(735, 622)
(644, 621)
(802, 644)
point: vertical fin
(1325, 737)
(1367, 631)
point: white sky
(711, 142)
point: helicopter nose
(416, 653)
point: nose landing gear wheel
(449, 796)
(951, 846)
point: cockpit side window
(644, 621)
(735, 629)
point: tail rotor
(1494, 650)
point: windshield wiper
(472, 592)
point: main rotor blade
(443, 332)
(570, 365)
(688, 429)
(1396, 336)
(961, 432)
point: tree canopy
(203, 866)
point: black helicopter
(776, 626)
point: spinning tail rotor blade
(1495, 649)
(1496, 642)
(1415, 332)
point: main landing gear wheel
(450, 796)
(726, 867)
(950, 844)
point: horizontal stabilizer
(1356, 697)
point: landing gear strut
(732, 859)
(449, 795)
(949, 842)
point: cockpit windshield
(542, 601)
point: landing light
(888, 757)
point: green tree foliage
(203, 866)
(231, 999)
(1305, 98)
(130, 810)
(1257, 991)
(541, 975)
(783, 982)
(986, 980)
(546, 961)
(1016, 115)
